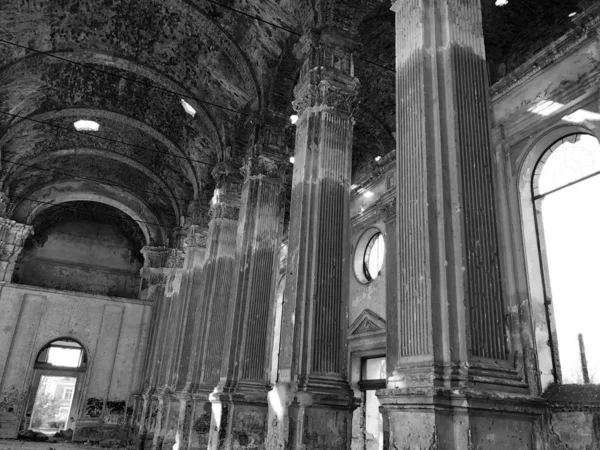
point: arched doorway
(56, 385)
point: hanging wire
(116, 75)
(104, 138)
(8, 161)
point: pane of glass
(571, 220)
(374, 256)
(64, 357)
(52, 407)
(374, 369)
(573, 158)
(373, 422)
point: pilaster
(448, 345)
(212, 306)
(312, 400)
(242, 390)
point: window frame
(534, 251)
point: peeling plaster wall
(81, 256)
(113, 332)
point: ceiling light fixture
(377, 158)
(292, 159)
(368, 194)
(501, 2)
(188, 108)
(354, 186)
(573, 14)
(86, 125)
(294, 119)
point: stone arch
(27, 208)
(534, 279)
(155, 77)
(119, 118)
(94, 152)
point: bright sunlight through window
(565, 187)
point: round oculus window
(369, 256)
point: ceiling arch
(24, 140)
(40, 79)
(25, 209)
(18, 170)
(171, 37)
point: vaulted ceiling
(126, 64)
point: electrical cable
(97, 136)
(289, 30)
(133, 80)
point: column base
(240, 419)
(319, 417)
(441, 419)
(200, 422)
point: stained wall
(81, 255)
(113, 332)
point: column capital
(327, 78)
(271, 166)
(4, 202)
(154, 257)
(175, 258)
(12, 238)
(225, 203)
(196, 237)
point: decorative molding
(367, 323)
(383, 209)
(196, 237)
(263, 165)
(154, 257)
(587, 29)
(175, 258)
(325, 95)
(224, 211)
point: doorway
(54, 394)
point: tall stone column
(184, 299)
(212, 308)
(240, 409)
(152, 288)
(191, 289)
(312, 401)
(449, 358)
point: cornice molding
(586, 30)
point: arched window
(61, 353)
(565, 189)
(56, 386)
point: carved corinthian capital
(196, 237)
(327, 76)
(12, 237)
(263, 165)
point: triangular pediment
(366, 323)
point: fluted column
(193, 284)
(208, 334)
(184, 299)
(448, 354)
(312, 400)
(240, 401)
(152, 287)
